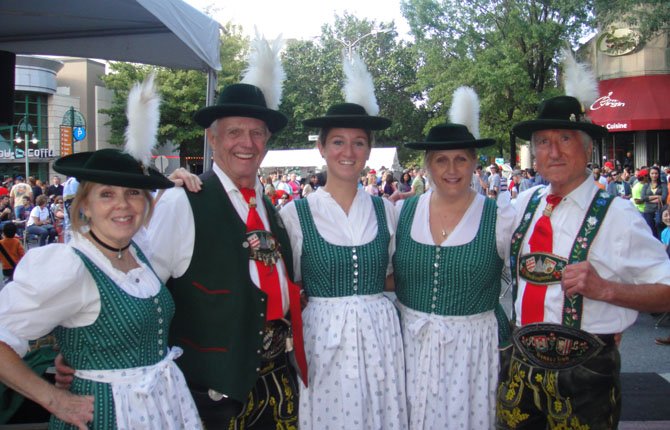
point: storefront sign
(33, 154)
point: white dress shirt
(172, 232)
(623, 251)
(356, 228)
(52, 287)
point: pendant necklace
(111, 248)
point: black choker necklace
(111, 248)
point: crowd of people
(233, 301)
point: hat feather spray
(579, 80)
(265, 70)
(143, 118)
(359, 87)
(465, 109)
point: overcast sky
(300, 19)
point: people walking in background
(654, 195)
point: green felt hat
(449, 136)
(559, 113)
(111, 167)
(348, 115)
(241, 100)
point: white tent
(310, 158)
(168, 33)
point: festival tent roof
(167, 33)
(295, 158)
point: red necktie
(267, 273)
(532, 303)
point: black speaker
(7, 66)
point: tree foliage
(315, 78)
(506, 50)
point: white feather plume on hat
(359, 87)
(465, 109)
(143, 112)
(265, 69)
(578, 80)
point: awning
(633, 104)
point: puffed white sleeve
(392, 221)
(289, 216)
(171, 233)
(51, 288)
(506, 215)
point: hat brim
(525, 129)
(275, 120)
(364, 122)
(443, 146)
(73, 165)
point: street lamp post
(25, 126)
(350, 45)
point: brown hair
(77, 218)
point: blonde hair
(78, 219)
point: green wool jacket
(219, 316)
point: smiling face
(562, 156)
(346, 150)
(115, 213)
(239, 145)
(450, 171)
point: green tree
(648, 17)
(315, 78)
(182, 93)
(506, 50)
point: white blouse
(336, 226)
(468, 227)
(52, 287)
(623, 251)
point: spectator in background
(55, 189)
(494, 181)
(6, 213)
(654, 195)
(389, 184)
(405, 183)
(636, 191)
(40, 222)
(419, 182)
(11, 250)
(371, 187)
(628, 160)
(18, 191)
(528, 181)
(35, 186)
(618, 187)
(294, 183)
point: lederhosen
(557, 375)
(235, 363)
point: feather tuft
(265, 70)
(359, 87)
(465, 109)
(143, 113)
(579, 80)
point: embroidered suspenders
(550, 267)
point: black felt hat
(241, 100)
(348, 115)
(449, 136)
(111, 167)
(559, 113)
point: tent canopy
(311, 158)
(167, 33)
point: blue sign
(78, 133)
